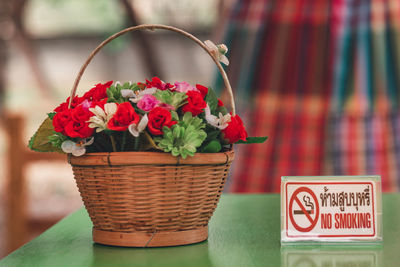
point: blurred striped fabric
(322, 80)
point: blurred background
(320, 78)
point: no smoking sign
(330, 209)
(303, 209)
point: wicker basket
(150, 199)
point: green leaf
(212, 147)
(189, 120)
(212, 100)
(134, 87)
(221, 109)
(114, 94)
(57, 139)
(40, 141)
(174, 115)
(175, 99)
(51, 115)
(253, 140)
(212, 133)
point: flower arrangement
(178, 118)
(153, 116)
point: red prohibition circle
(313, 222)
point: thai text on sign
(336, 209)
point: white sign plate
(331, 209)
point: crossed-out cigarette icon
(308, 203)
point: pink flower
(166, 106)
(184, 87)
(148, 102)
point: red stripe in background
(286, 153)
(311, 102)
(385, 150)
(242, 178)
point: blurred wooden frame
(18, 157)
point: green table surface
(244, 231)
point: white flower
(218, 51)
(77, 149)
(137, 95)
(220, 122)
(136, 129)
(101, 117)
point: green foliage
(51, 115)
(189, 120)
(114, 92)
(174, 115)
(221, 109)
(40, 141)
(175, 99)
(253, 140)
(212, 147)
(181, 140)
(212, 100)
(57, 139)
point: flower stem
(123, 143)
(114, 146)
(136, 144)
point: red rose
(100, 103)
(81, 113)
(98, 92)
(75, 123)
(64, 106)
(76, 129)
(124, 116)
(203, 90)
(60, 120)
(196, 103)
(220, 103)
(158, 118)
(157, 83)
(235, 130)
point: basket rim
(149, 158)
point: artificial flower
(64, 106)
(157, 83)
(196, 103)
(220, 122)
(174, 99)
(181, 141)
(60, 120)
(77, 129)
(137, 95)
(202, 89)
(166, 106)
(147, 102)
(136, 129)
(102, 116)
(98, 92)
(99, 103)
(158, 118)
(81, 113)
(123, 117)
(184, 87)
(77, 149)
(235, 130)
(218, 51)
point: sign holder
(342, 210)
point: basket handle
(153, 27)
